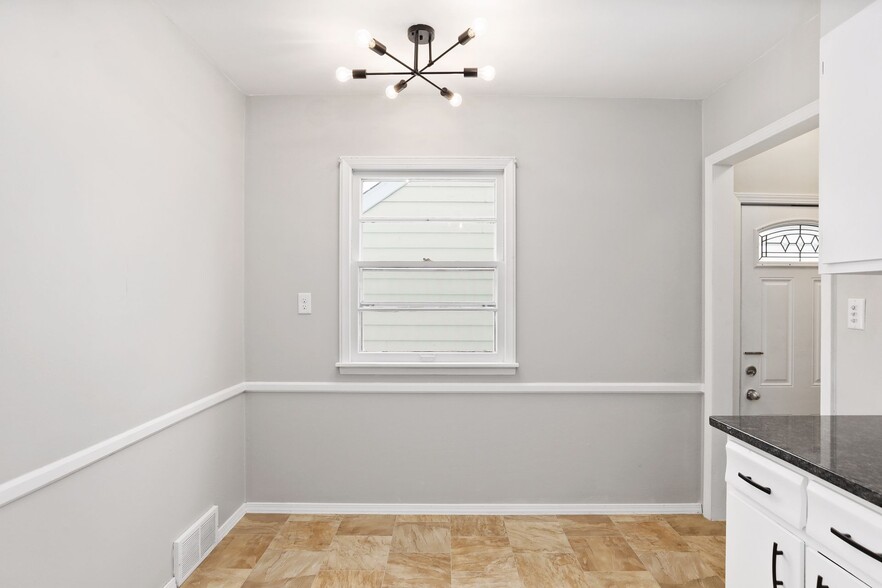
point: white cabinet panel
(759, 551)
(820, 571)
(851, 142)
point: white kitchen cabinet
(759, 551)
(787, 529)
(851, 144)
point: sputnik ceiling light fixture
(420, 34)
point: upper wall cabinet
(851, 144)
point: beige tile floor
(369, 551)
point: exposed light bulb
(488, 72)
(363, 38)
(479, 26)
(456, 99)
(391, 92)
(344, 74)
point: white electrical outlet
(304, 303)
(857, 310)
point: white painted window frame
(354, 361)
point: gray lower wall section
(112, 524)
(473, 448)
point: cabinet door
(758, 550)
(820, 572)
(851, 143)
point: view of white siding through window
(433, 286)
(414, 294)
(794, 243)
(428, 330)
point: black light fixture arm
(419, 34)
(437, 87)
(434, 61)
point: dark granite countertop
(845, 451)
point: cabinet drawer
(821, 572)
(772, 486)
(850, 532)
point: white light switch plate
(304, 303)
(857, 310)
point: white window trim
(351, 361)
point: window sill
(428, 369)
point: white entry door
(780, 311)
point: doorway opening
(722, 302)
(778, 334)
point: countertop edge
(841, 482)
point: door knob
(752, 394)
(751, 370)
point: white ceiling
(600, 48)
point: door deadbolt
(751, 370)
(752, 394)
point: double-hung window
(427, 254)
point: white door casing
(780, 321)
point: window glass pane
(435, 286)
(433, 240)
(428, 330)
(790, 243)
(429, 199)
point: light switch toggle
(857, 310)
(304, 303)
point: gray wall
(858, 371)
(474, 448)
(835, 12)
(784, 79)
(112, 525)
(790, 168)
(121, 174)
(121, 186)
(608, 217)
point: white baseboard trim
(465, 509)
(231, 522)
(171, 584)
(476, 388)
(50, 473)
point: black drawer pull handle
(821, 583)
(750, 481)
(865, 550)
(775, 553)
